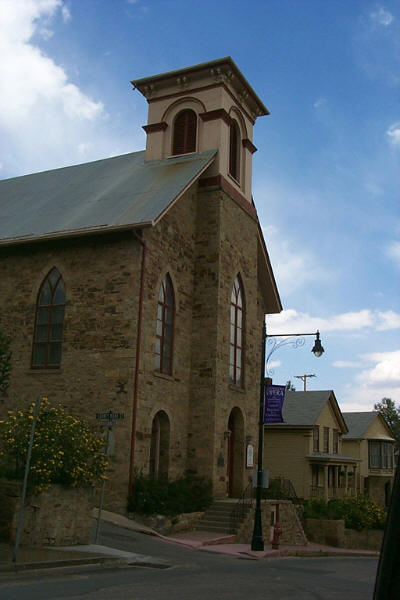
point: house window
(316, 438)
(185, 129)
(335, 441)
(380, 454)
(326, 439)
(236, 358)
(164, 327)
(49, 322)
(234, 151)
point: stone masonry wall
(226, 247)
(292, 530)
(203, 242)
(58, 517)
(101, 276)
(334, 533)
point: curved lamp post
(296, 340)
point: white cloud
(379, 378)
(291, 321)
(347, 364)
(382, 17)
(66, 15)
(293, 268)
(393, 251)
(393, 134)
(386, 369)
(321, 102)
(43, 114)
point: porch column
(337, 468)
(326, 489)
(355, 480)
(346, 480)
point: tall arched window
(49, 322)
(236, 357)
(234, 151)
(165, 327)
(185, 129)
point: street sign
(110, 416)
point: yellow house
(307, 447)
(370, 439)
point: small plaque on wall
(250, 456)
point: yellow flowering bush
(65, 449)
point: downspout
(138, 346)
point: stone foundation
(168, 525)
(60, 516)
(334, 533)
(292, 530)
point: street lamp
(297, 340)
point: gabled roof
(359, 422)
(106, 195)
(304, 408)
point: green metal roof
(110, 194)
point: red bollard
(275, 538)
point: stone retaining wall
(292, 530)
(60, 516)
(167, 525)
(334, 533)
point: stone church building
(139, 284)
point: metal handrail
(241, 507)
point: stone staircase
(217, 518)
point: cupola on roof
(210, 106)
(221, 70)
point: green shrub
(358, 513)
(187, 494)
(65, 450)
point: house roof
(115, 193)
(359, 422)
(304, 408)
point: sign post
(110, 417)
(26, 474)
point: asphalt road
(195, 575)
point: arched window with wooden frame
(237, 330)
(165, 327)
(49, 322)
(185, 132)
(234, 150)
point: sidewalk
(97, 555)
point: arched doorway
(235, 453)
(159, 446)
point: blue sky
(325, 178)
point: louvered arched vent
(185, 129)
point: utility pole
(304, 379)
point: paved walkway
(94, 554)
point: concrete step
(215, 522)
(213, 528)
(218, 514)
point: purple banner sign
(274, 397)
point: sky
(325, 177)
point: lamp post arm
(291, 334)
